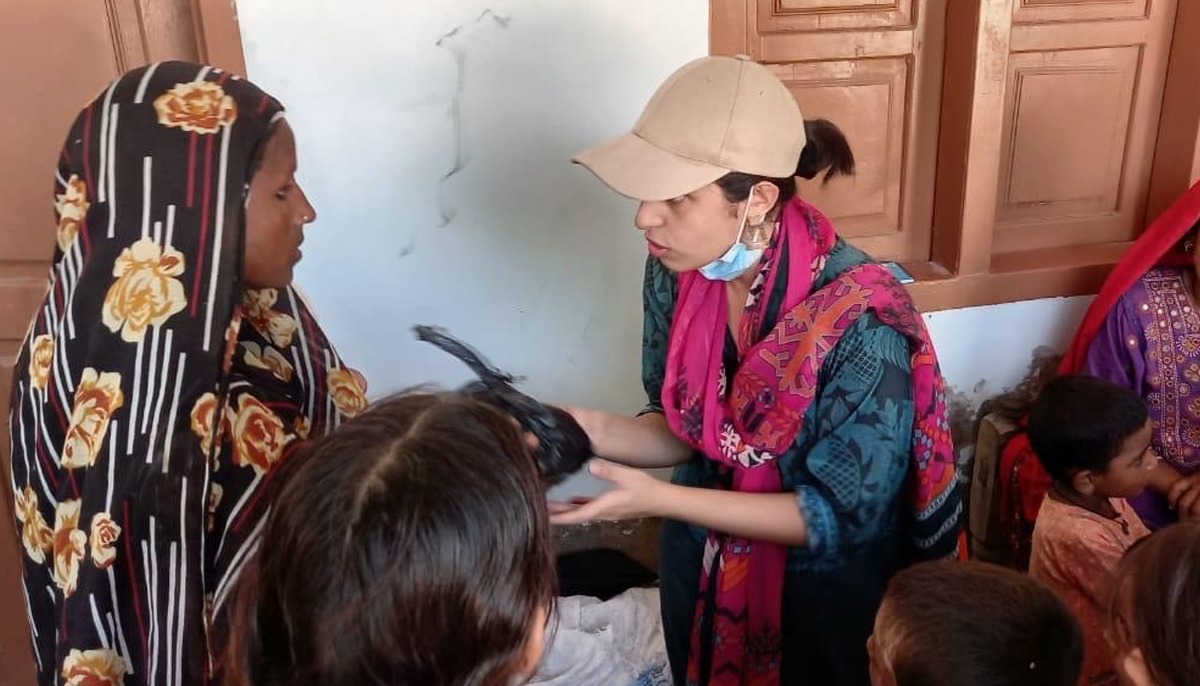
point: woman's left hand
(635, 494)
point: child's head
(1155, 615)
(950, 623)
(410, 546)
(1093, 436)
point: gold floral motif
(41, 357)
(275, 326)
(203, 412)
(97, 397)
(349, 391)
(146, 292)
(268, 358)
(69, 545)
(105, 533)
(37, 536)
(71, 206)
(258, 435)
(198, 107)
(101, 667)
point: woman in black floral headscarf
(169, 306)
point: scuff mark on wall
(460, 62)
(1012, 404)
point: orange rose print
(202, 421)
(258, 435)
(199, 107)
(349, 391)
(100, 667)
(275, 326)
(41, 356)
(71, 206)
(105, 533)
(35, 533)
(97, 397)
(146, 291)
(69, 545)
(231, 336)
(268, 358)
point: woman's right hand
(644, 441)
(589, 421)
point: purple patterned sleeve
(1118, 352)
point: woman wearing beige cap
(792, 385)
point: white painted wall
(435, 139)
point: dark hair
(1158, 579)
(1079, 422)
(827, 151)
(410, 547)
(949, 623)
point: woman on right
(1143, 333)
(790, 380)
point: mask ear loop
(745, 216)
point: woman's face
(692, 230)
(275, 214)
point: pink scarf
(747, 422)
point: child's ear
(1084, 482)
(535, 644)
(1132, 666)
(881, 672)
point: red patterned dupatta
(744, 422)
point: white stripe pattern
(249, 547)
(137, 396)
(105, 108)
(183, 575)
(166, 461)
(151, 369)
(99, 623)
(311, 408)
(233, 514)
(219, 234)
(112, 173)
(147, 185)
(162, 391)
(141, 91)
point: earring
(758, 234)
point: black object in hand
(563, 445)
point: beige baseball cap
(714, 116)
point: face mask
(738, 259)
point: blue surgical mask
(738, 259)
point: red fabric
(1023, 480)
(1155, 247)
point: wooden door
(874, 68)
(1008, 149)
(57, 55)
(1081, 119)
